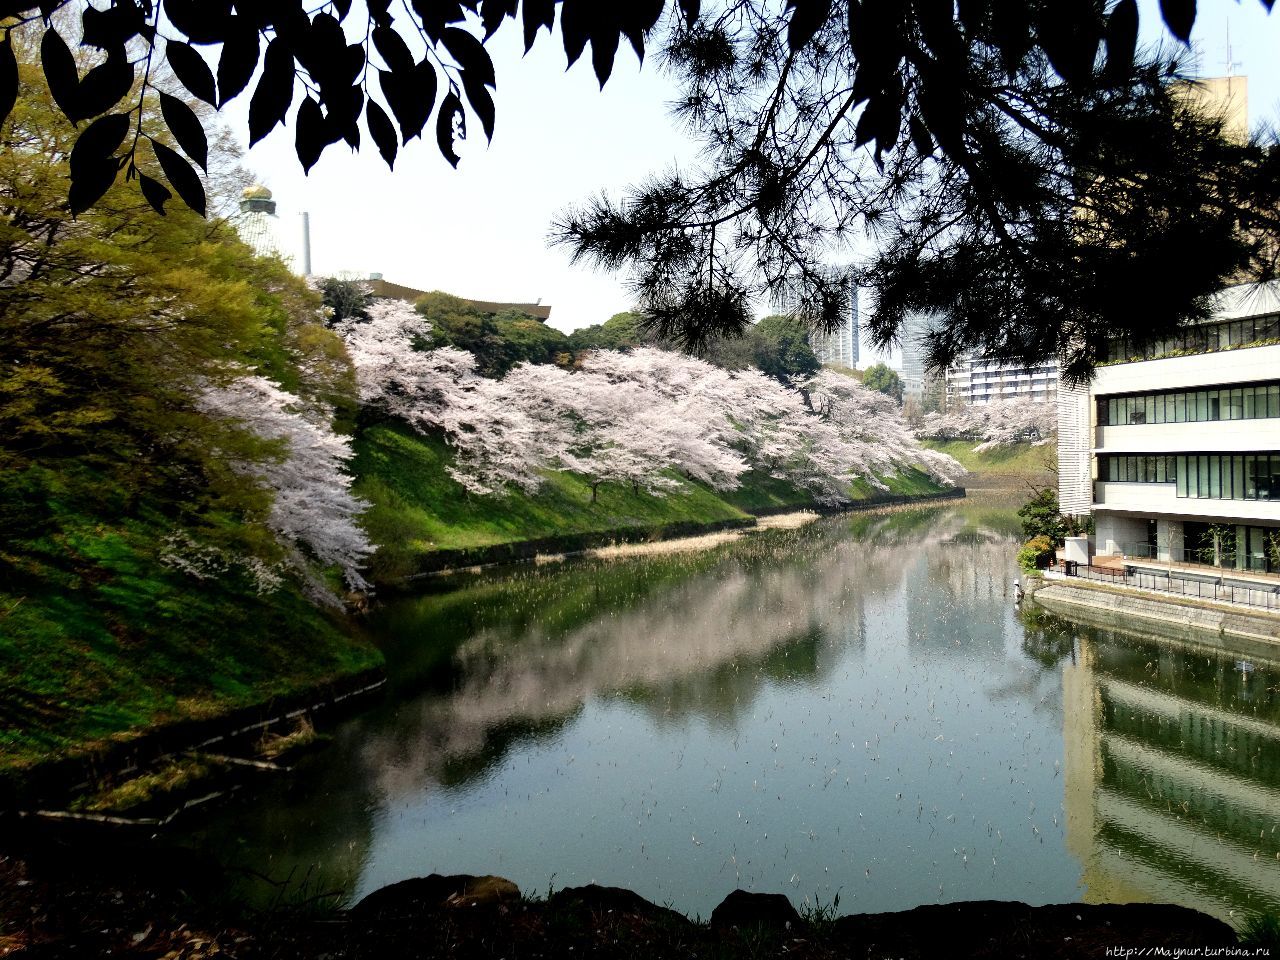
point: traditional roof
(396, 291)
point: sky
(481, 231)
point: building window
(1201, 338)
(1251, 402)
(1211, 476)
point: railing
(1224, 559)
(1206, 586)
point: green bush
(1036, 553)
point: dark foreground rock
(81, 909)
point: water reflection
(1173, 757)
(854, 705)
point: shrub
(1036, 553)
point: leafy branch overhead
(1019, 166)
(328, 66)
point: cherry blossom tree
(995, 423)
(636, 417)
(312, 509)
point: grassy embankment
(1013, 461)
(100, 641)
(418, 510)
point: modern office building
(978, 381)
(914, 338)
(841, 345)
(1183, 440)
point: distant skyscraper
(841, 345)
(914, 337)
(258, 224)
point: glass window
(1149, 410)
(1161, 475)
(1202, 476)
(1180, 407)
(1215, 478)
(1202, 407)
(1235, 404)
(1251, 477)
(1214, 411)
(1250, 402)
(1237, 478)
(1273, 400)
(1182, 475)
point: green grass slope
(99, 641)
(1017, 459)
(417, 509)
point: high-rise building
(840, 346)
(914, 339)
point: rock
(483, 891)
(618, 903)
(411, 898)
(748, 911)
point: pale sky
(480, 231)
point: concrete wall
(1202, 623)
(1112, 531)
(1075, 464)
(1201, 370)
(1162, 498)
(1231, 436)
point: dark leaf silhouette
(8, 78)
(155, 193)
(481, 102)
(104, 86)
(410, 97)
(191, 70)
(60, 73)
(95, 179)
(274, 93)
(471, 55)
(114, 26)
(100, 140)
(393, 49)
(492, 13)
(1122, 39)
(238, 60)
(382, 131)
(807, 16)
(186, 129)
(310, 135)
(181, 176)
(200, 21)
(1180, 15)
(450, 108)
(537, 14)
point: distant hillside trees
(628, 417)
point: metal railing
(1223, 559)
(1205, 586)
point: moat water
(854, 707)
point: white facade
(976, 381)
(1183, 452)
